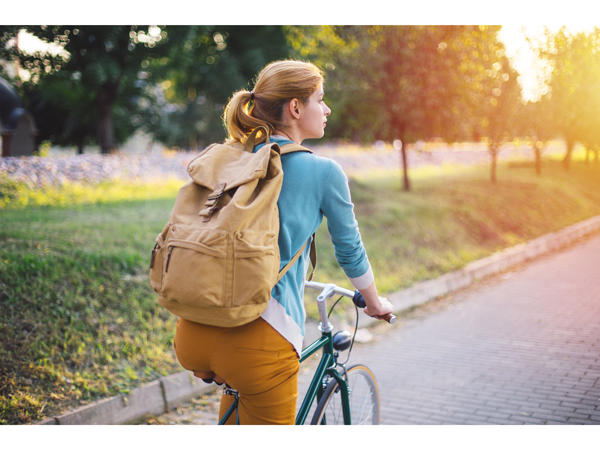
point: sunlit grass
(14, 195)
(79, 320)
(453, 215)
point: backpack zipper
(168, 258)
(153, 256)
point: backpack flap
(223, 164)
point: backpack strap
(290, 148)
(313, 259)
(249, 145)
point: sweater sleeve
(338, 208)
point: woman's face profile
(313, 116)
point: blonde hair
(277, 84)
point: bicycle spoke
(363, 399)
(366, 418)
(359, 396)
(367, 398)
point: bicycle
(350, 397)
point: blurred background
(106, 89)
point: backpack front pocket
(255, 258)
(157, 261)
(195, 267)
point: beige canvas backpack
(217, 259)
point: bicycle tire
(364, 400)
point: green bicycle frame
(315, 391)
(327, 366)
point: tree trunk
(405, 168)
(567, 159)
(106, 100)
(6, 138)
(193, 143)
(80, 146)
(538, 160)
(493, 153)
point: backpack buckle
(211, 202)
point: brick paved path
(523, 348)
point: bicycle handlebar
(359, 301)
(328, 290)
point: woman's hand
(379, 310)
(376, 306)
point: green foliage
(79, 95)
(12, 192)
(411, 82)
(574, 83)
(172, 82)
(16, 195)
(203, 67)
(414, 82)
(346, 54)
(44, 149)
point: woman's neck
(279, 136)
(289, 135)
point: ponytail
(240, 123)
(277, 84)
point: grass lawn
(78, 319)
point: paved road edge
(157, 397)
(165, 394)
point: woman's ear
(294, 108)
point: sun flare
(520, 41)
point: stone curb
(157, 397)
(168, 392)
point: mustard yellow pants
(253, 359)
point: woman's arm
(350, 253)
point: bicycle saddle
(209, 377)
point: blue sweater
(312, 187)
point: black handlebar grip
(359, 301)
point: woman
(261, 359)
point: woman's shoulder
(309, 157)
(327, 170)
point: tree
(171, 81)
(499, 116)
(203, 66)
(78, 94)
(64, 110)
(347, 56)
(574, 84)
(536, 124)
(410, 82)
(495, 107)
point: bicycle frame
(327, 365)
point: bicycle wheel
(364, 400)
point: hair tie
(251, 95)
